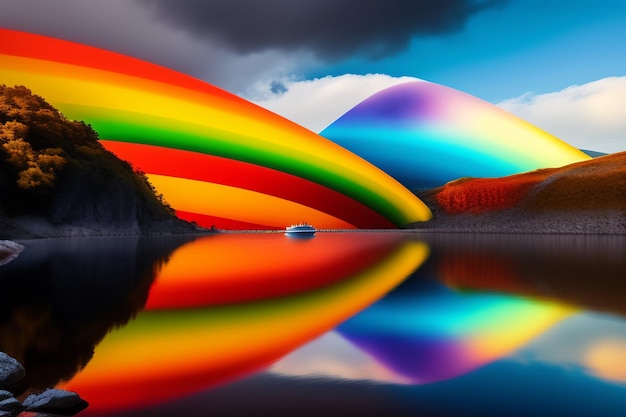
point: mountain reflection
(424, 332)
(480, 297)
(584, 271)
(61, 297)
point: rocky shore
(50, 401)
(38, 227)
(609, 222)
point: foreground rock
(11, 371)
(9, 251)
(9, 405)
(50, 401)
(55, 401)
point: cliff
(56, 179)
(585, 197)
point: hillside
(56, 179)
(585, 197)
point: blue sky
(559, 64)
(522, 46)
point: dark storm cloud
(127, 27)
(331, 29)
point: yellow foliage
(12, 130)
(19, 152)
(37, 168)
(33, 177)
(50, 158)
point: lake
(343, 324)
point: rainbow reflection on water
(170, 352)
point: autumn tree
(51, 164)
(34, 168)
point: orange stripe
(218, 170)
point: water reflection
(586, 271)
(60, 297)
(425, 333)
(238, 268)
(500, 293)
(169, 352)
(506, 325)
(467, 324)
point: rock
(11, 371)
(9, 251)
(55, 401)
(10, 405)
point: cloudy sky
(560, 64)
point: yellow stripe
(265, 131)
(239, 204)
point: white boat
(300, 230)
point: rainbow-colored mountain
(222, 161)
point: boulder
(10, 406)
(11, 371)
(55, 401)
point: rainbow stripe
(210, 271)
(437, 334)
(168, 353)
(425, 135)
(151, 114)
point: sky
(559, 64)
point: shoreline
(412, 230)
(509, 222)
(518, 221)
(18, 240)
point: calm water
(344, 324)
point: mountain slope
(584, 197)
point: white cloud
(317, 103)
(589, 116)
(592, 342)
(331, 356)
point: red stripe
(270, 281)
(218, 170)
(29, 45)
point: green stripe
(145, 129)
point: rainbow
(171, 351)
(437, 334)
(425, 134)
(210, 271)
(216, 158)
